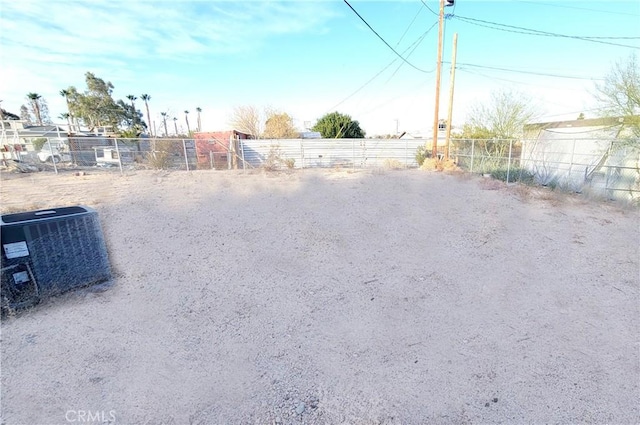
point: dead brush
(392, 164)
(435, 164)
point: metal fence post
(406, 153)
(301, 154)
(244, 167)
(473, 145)
(186, 159)
(509, 159)
(119, 156)
(53, 157)
(353, 153)
(211, 158)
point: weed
(393, 164)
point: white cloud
(46, 46)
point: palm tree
(186, 118)
(65, 116)
(132, 98)
(146, 99)
(199, 109)
(175, 124)
(164, 121)
(65, 93)
(35, 101)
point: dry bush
(274, 160)
(433, 164)
(449, 165)
(162, 153)
(159, 160)
(429, 164)
(393, 164)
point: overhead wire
(412, 50)
(414, 45)
(612, 12)
(408, 27)
(491, 77)
(529, 31)
(429, 9)
(383, 40)
(461, 65)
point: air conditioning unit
(49, 252)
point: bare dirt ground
(333, 297)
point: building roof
(591, 122)
(594, 128)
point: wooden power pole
(452, 81)
(434, 148)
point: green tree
(199, 110)
(164, 121)
(279, 125)
(503, 117)
(66, 116)
(95, 107)
(35, 101)
(619, 94)
(337, 125)
(132, 99)
(25, 115)
(130, 117)
(146, 98)
(186, 118)
(65, 94)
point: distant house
(594, 153)
(310, 135)
(421, 135)
(17, 140)
(219, 149)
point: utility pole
(452, 81)
(434, 147)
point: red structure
(214, 149)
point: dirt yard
(324, 297)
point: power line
(612, 12)
(408, 27)
(429, 9)
(383, 40)
(572, 77)
(490, 77)
(416, 43)
(529, 31)
(413, 50)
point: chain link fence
(606, 168)
(609, 168)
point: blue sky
(307, 58)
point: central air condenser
(49, 252)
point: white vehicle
(54, 153)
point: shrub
(434, 164)
(38, 143)
(274, 160)
(290, 163)
(515, 174)
(162, 153)
(393, 164)
(422, 153)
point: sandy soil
(333, 297)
